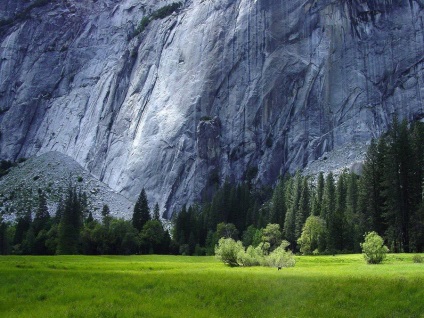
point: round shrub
(227, 251)
(373, 248)
(280, 257)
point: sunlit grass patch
(177, 286)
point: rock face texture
(218, 89)
(53, 173)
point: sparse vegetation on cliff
(158, 14)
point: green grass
(177, 286)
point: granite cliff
(215, 89)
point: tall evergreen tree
(339, 219)
(417, 184)
(370, 194)
(156, 212)
(317, 201)
(70, 224)
(106, 215)
(328, 211)
(141, 212)
(355, 228)
(22, 226)
(293, 207)
(42, 216)
(278, 205)
(397, 192)
(304, 208)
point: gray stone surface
(53, 173)
(286, 80)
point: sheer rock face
(281, 81)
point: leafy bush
(233, 254)
(227, 251)
(250, 257)
(281, 257)
(373, 248)
(418, 259)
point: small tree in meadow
(373, 248)
(227, 251)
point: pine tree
(106, 215)
(290, 220)
(370, 194)
(304, 208)
(340, 225)
(42, 216)
(328, 210)
(354, 223)
(278, 205)
(317, 202)
(70, 224)
(22, 227)
(156, 212)
(397, 192)
(417, 185)
(141, 212)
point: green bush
(418, 259)
(227, 251)
(281, 257)
(373, 248)
(250, 257)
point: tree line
(322, 214)
(73, 230)
(326, 214)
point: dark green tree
(328, 211)
(317, 200)
(397, 174)
(105, 215)
(70, 224)
(22, 226)
(152, 236)
(156, 212)
(42, 216)
(141, 212)
(355, 226)
(370, 193)
(227, 230)
(304, 208)
(339, 219)
(292, 208)
(278, 204)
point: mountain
(177, 97)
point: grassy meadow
(178, 286)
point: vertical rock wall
(213, 91)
